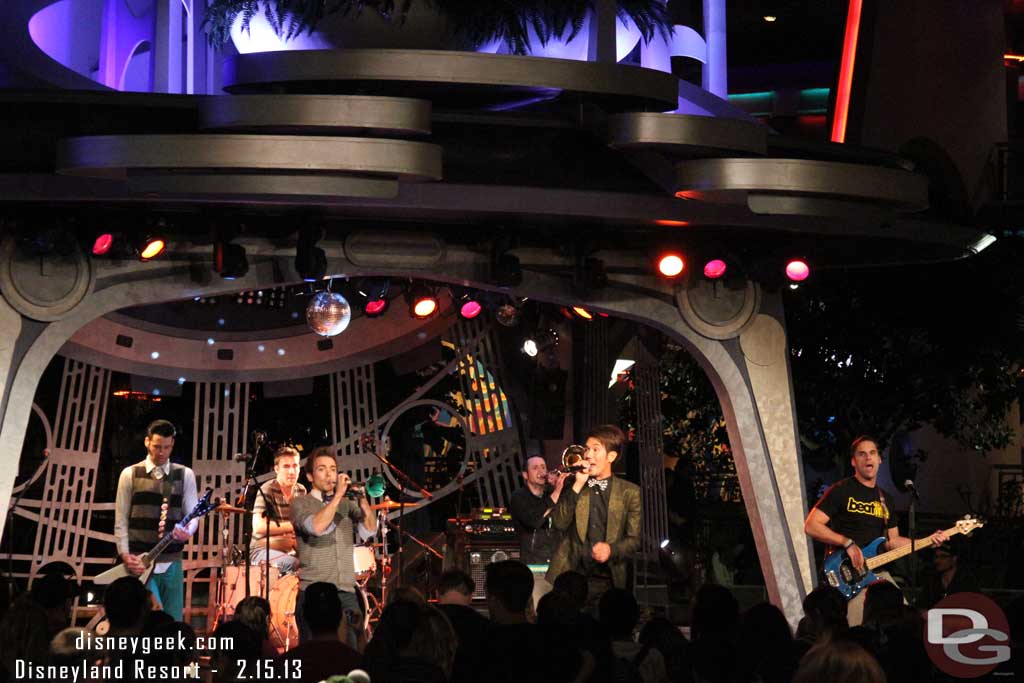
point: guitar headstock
(967, 524)
(204, 506)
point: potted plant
(519, 25)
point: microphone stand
(250, 479)
(405, 479)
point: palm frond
(517, 23)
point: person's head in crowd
(618, 613)
(767, 624)
(824, 613)
(883, 603)
(455, 587)
(54, 592)
(665, 637)
(322, 610)
(24, 633)
(254, 612)
(127, 602)
(714, 612)
(65, 650)
(397, 623)
(433, 640)
(509, 589)
(946, 557)
(174, 632)
(557, 609)
(839, 661)
(407, 594)
(240, 647)
(154, 620)
(573, 584)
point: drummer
(279, 491)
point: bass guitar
(840, 573)
(149, 559)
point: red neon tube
(846, 72)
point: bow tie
(599, 483)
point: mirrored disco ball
(507, 315)
(328, 314)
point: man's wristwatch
(849, 542)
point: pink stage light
(714, 269)
(470, 309)
(104, 241)
(375, 307)
(797, 270)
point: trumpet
(373, 487)
(572, 459)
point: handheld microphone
(909, 485)
(242, 457)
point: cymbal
(225, 508)
(388, 505)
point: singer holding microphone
(855, 511)
(323, 524)
(600, 515)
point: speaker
(478, 557)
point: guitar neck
(168, 538)
(904, 550)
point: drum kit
(283, 587)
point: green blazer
(572, 515)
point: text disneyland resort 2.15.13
(143, 658)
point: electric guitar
(149, 559)
(840, 573)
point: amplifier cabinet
(478, 556)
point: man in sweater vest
(152, 497)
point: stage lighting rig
(150, 246)
(671, 265)
(375, 291)
(541, 341)
(422, 301)
(470, 303)
(797, 270)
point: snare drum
(364, 561)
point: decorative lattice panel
(221, 426)
(593, 403)
(353, 417)
(63, 512)
(494, 446)
(649, 437)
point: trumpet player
(531, 508)
(600, 516)
(323, 524)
